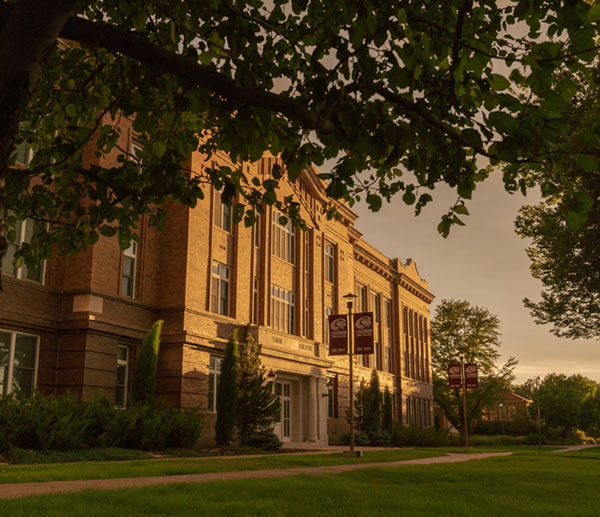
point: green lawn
(142, 468)
(521, 485)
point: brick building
(76, 323)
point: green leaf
(159, 147)
(499, 82)
(576, 220)
(503, 122)
(461, 209)
(472, 138)
(594, 13)
(588, 162)
(374, 202)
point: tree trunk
(27, 36)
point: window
(326, 313)
(388, 359)
(255, 301)
(214, 373)
(122, 376)
(18, 362)
(24, 154)
(129, 266)
(284, 241)
(375, 307)
(361, 300)
(378, 356)
(329, 262)
(25, 232)
(307, 283)
(388, 313)
(220, 289)
(257, 230)
(222, 213)
(283, 310)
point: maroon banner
(363, 333)
(454, 377)
(338, 334)
(471, 378)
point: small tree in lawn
(257, 407)
(227, 393)
(387, 417)
(372, 406)
(144, 379)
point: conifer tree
(258, 407)
(372, 406)
(227, 393)
(387, 417)
(144, 378)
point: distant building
(76, 323)
(508, 407)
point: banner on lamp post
(338, 334)
(363, 333)
(454, 377)
(471, 378)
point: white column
(313, 406)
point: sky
(484, 263)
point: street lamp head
(349, 299)
(271, 376)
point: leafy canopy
(458, 327)
(403, 95)
(564, 227)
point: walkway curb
(18, 490)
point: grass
(30, 456)
(143, 468)
(521, 485)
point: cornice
(389, 273)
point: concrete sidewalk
(18, 490)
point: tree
(143, 386)
(382, 88)
(367, 406)
(227, 392)
(458, 328)
(566, 257)
(258, 408)
(387, 415)
(569, 403)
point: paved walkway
(17, 490)
(570, 448)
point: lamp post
(539, 421)
(349, 303)
(501, 421)
(464, 398)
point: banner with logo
(363, 333)
(454, 377)
(338, 334)
(471, 378)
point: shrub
(186, 427)
(258, 407)
(387, 415)
(380, 438)
(227, 393)
(265, 440)
(359, 439)
(63, 423)
(419, 436)
(143, 386)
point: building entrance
(284, 425)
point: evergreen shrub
(62, 423)
(419, 436)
